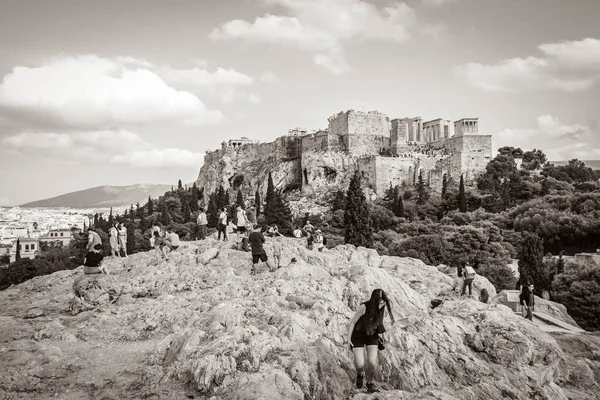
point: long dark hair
(374, 314)
(484, 296)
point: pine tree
(271, 198)
(18, 255)
(444, 184)
(462, 197)
(356, 216)
(281, 214)
(531, 262)
(150, 206)
(422, 192)
(179, 185)
(240, 199)
(96, 220)
(339, 201)
(165, 218)
(257, 202)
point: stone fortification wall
(360, 145)
(318, 141)
(469, 155)
(253, 162)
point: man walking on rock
(257, 241)
(222, 225)
(202, 221)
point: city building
(29, 248)
(58, 236)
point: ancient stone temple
(385, 152)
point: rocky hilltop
(199, 326)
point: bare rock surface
(200, 326)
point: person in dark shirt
(92, 261)
(527, 300)
(257, 241)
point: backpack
(470, 272)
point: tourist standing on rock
(159, 247)
(277, 253)
(122, 239)
(527, 300)
(241, 223)
(93, 239)
(469, 275)
(363, 331)
(222, 225)
(257, 241)
(458, 279)
(92, 260)
(309, 240)
(251, 214)
(202, 221)
(308, 227)
(113, 235)
(319, 240)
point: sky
(118, 92)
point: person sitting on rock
(172, 239)
(92, 261)
(484, 296)
(298, 232)
(257, 241)
(363, 331)
(159, 247)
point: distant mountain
(103, 196)
(593, 164)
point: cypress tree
(227, 202)
(356, 216)
(462, 197)
(131, 247)
(131, 213)
(111, 219)
(339, 201)
(96, 220)
(220, 198)
(179, 185)
(185, 212)
(18, 255)
(240, 199)
(444, 184)
(257, 202)
(150, 206)
(281, 214)
(212, 212)
(422, 192)
(271, 199)
(399, 208)
(531, 262)
(138, 210)
(84, 227)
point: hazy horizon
(117, 93)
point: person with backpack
(202, 221)
(469, 275)
(92, 261)
(257, 241)
(93, 239)
(363, 332)
(241, 222)
(222, 224)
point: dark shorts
(242, 229)
(262, 257)
(360, 339)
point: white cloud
(437, 3)
(558, 140)
(570, 66)
(99, 147)
(321, 27)
(268, 77)
(436, 31)
(198, 77)
(96, 93)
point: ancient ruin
(385, 152)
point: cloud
(197, 77)
(267, 77)
(570, 66)
(435, 31)
(321, 27)
(99, 147)
(437, 3)
(91, 92)
(558, 140)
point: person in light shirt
(172, 239)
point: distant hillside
(103, 196)
(593, 164)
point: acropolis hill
(385, 152)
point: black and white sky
(135, 91)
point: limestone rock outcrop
(200, 326)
